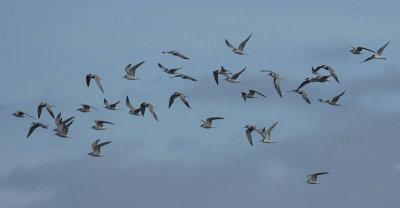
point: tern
(221, 71)
(176, 53)
(378, 55)
(304, 94)
(130, 71)
(96, 148)
(207, 124)
(358, 50)
(178, 94)
(251, 94)
(334, 101)
(99, 125)
(48, 108)
(86, 108)
(277, 79)
(63, 126)
(319, 78)
(34, 126)
(150, 106)
(241, 46)
(249, 129)
(312, 179)
(233, 79)
(133, 111)
(266, 134)
(183, 76)
(111, 106)
(21, 114)
(96, 78)
(169, 71)
(326, 67)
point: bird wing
(362, 48)
(183, 98)
(235, 76)
(215, 73)
(161, 66)
(33, 127)
(369, 58)
(94, 144)
(303, 83)
(40, 107)
(128, 103)
(172, 99)
(97, 78)
(133, 69)
(49, 110)
(241, 46)
(127, 68)
(335, 99)
(268, 132)
(151, 108)
(143, 108)
(305, 97)
(102, 144)
(107, 122)
(332, 71)
(257, 93)
(191, 78)
(88, 78)
(209, 120)
(115, 104)
(277, 87)
(105, 102)
(382, 48)
(248, 134)
(229, 44)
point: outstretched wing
(172, 99)
(49, 110)
(128, 103)
(151, 108)
(235, 76)
(183, 98)
(277, 86)
(229, 44)
(382, 48)
(241, 46)
(335, 99)
(215, 73)
(97, 78)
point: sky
(48, 47)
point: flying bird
(304, 94)
(207, 124)
(96, 148)
(111, 106)
(221, 71)
(319, 78)
(250, 129)
(326, 67)
(178, 94)
(185, 77)
(312, 179)
(277, 79)
(233, 79)
(241, 46)
(176, 53)
(96, 78)
(21, 114)
(150, 106)
(131, 71)
(334, 101)
(99, 125)
(34, 126)
(251, 94)
(86, 108)
(169, 71)
(63, 126)
(132, 111)
(266, 134)
(378, 55)
(48, 108)
(358, 50)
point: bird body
(176, 53)
(312, 179)
(21, 114)
(99, 125)
(110, 106)
(131, 71)
(96, 148)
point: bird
(358, 50)
(318, 78)
(133, 111)
(241, 46)
(233, 79)
(150, 106)
(34, 126)
(169, 71)
(96, 148)
(48, 108)
(221, 71)
(21, 114)
(176, 53)
(304, 94)
(378, 54)
(130, 71)
(208, 123)
(251, 94)
(111, 106)
(178, 94)
(63, 126)
(96, 78)
(266, 134)
(249, 129)
(312, 179)
(99, 125)
(329, 68)
(277, 79)
(334, 100)
(86, 108)
(183, 76)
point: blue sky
(47, 48)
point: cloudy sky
(47, 48)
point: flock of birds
(62, 126)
